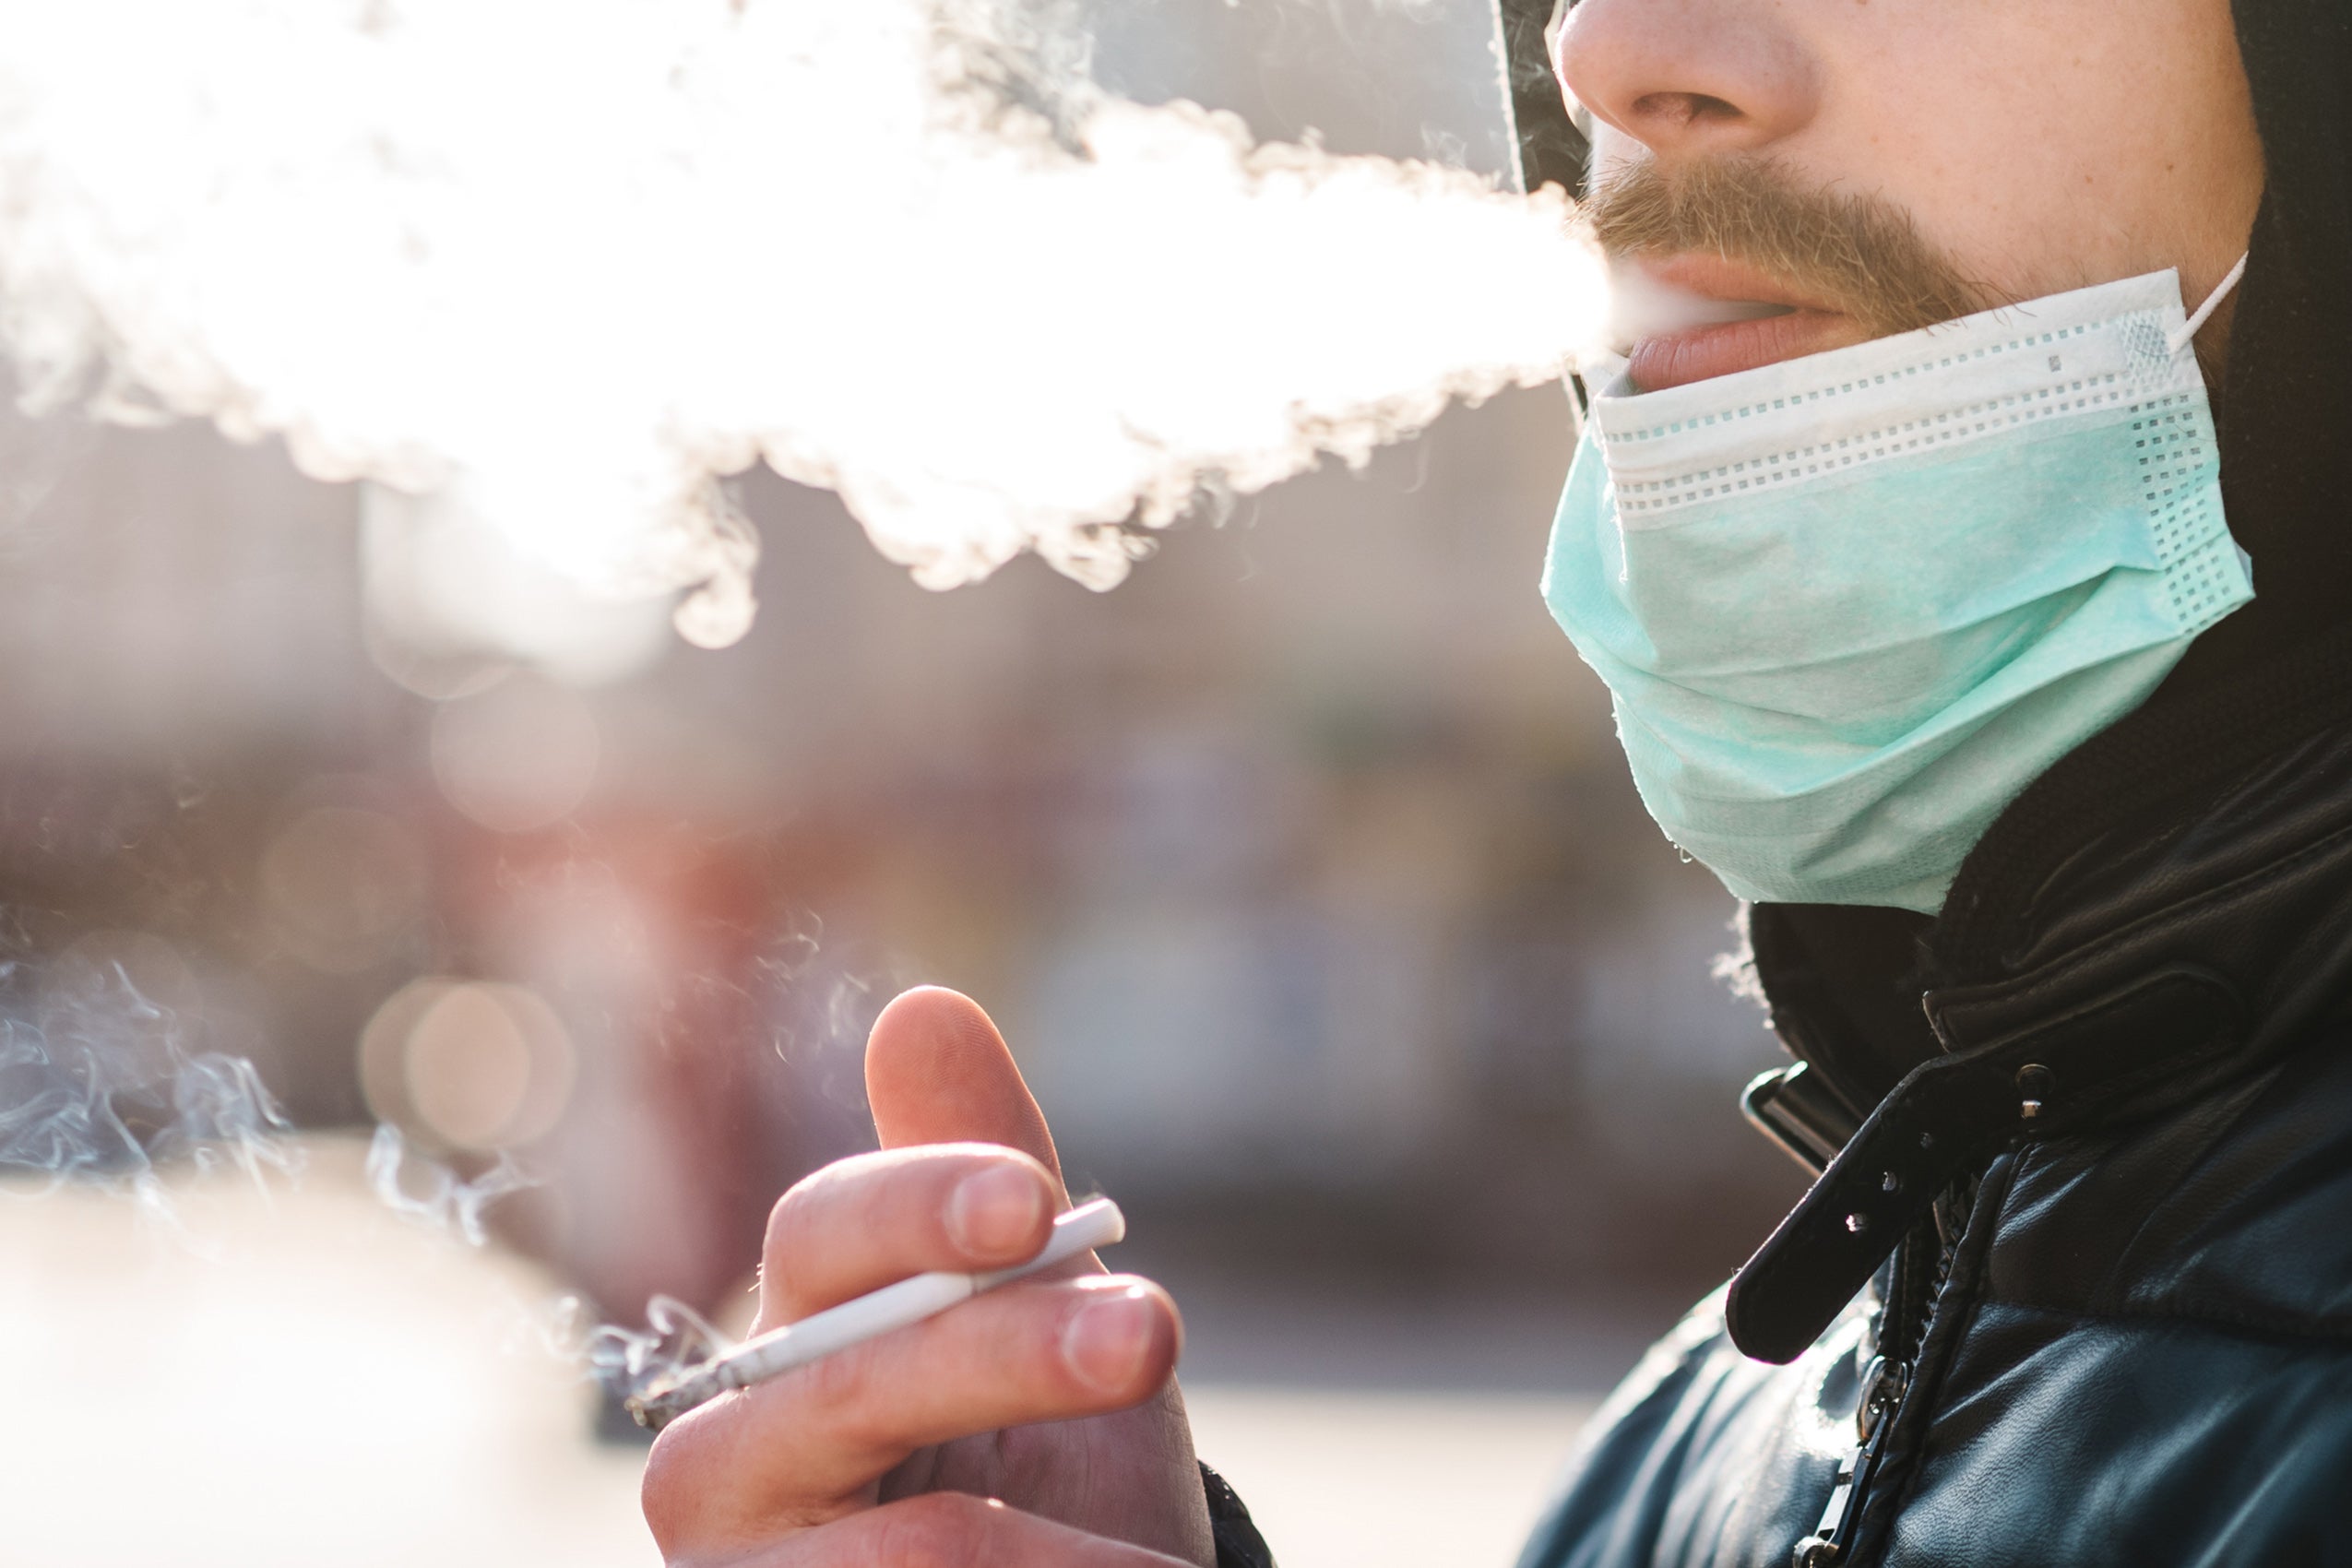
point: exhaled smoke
(579, 259)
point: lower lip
(1677, 359)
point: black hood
(2286, 404)
(1552, 150)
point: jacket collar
(2169, 906)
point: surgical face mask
(1848, 606)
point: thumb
(937, 1072)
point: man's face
(1884, 164)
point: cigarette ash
(576, 263)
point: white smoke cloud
(575, 260)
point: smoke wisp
(432, 1196)
(98, 1085)
(428, 1193)
(575, 262)
(626, 1361)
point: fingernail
(1105, 1340)
(993, 1214)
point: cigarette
(1085, 1227)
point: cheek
(2048, 146)
(1611, 148)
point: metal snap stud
(2035, 1084)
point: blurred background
(1302, 873)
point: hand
(1038, 1426)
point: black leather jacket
(2100, 1218)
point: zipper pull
(1822, 1548)
(1883, 1386)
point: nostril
(1684, 108)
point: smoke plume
(577, 261)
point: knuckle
(794, 1226)
(669, 1494)
(941, 1529)
(838, 1392)
(779, 1220)
(791, 1211)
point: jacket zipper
(1920, 1267)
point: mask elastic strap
(2178, 337)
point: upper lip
(1719, 278)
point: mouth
(1703, 316)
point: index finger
(938, 1072)
(873, 1219)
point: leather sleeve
(1239, 1545)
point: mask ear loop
(2177, 339)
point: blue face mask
(1850, 605)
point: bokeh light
(468, 1065)
(518, 756)
(346, 885)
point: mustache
(1860, 255)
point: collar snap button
(2036, 1085)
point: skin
(2037, 145)
(884, 1456)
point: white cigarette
(1085, 1227)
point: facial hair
(1856, 253)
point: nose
(1688, 78)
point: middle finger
(805, 1447)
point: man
(2057, 874)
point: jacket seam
(2061, 967)
(2248, 1324)
(2245, 1092)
